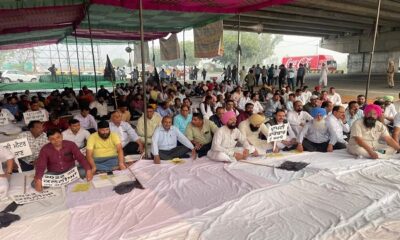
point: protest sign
(66, 178)
(208, 40)
(20, 147)
(39, 115)
(277, 133)
(3, 119)
(169, 48)
(32, 197)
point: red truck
(313, 63)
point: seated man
(55, 122)
(315, 135)
(251, 129)
(182, 120)
(223, 146)
(8, 157)
(164, 142)
(353, 113)
(290, 142)
(216, 118)
(36, 139)
(76, 134)
(104, 150)
(58, 157)
(130, 141)
(298, 118)
(337, 126)
(35, 106)
(99, 109)
(87, 121)
(123, 109)
(246, 113)
(153, 121)
(365, 135)
(200, 132)
(10, 128)
(164, 110)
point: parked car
(8, 76)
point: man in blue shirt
(182, 120)
(165, 142)
(164, 110)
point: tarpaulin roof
(33, 21)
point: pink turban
(374, 107)
(228, 116)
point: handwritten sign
(33, 197)
(20, 147)
(277, 133)
(3, 119)
(66, 178)
(39, 115)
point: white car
(8, 76)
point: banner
(61, 179)
(169, 48)
(20, 147)
(277, 133)
(3, 119)
(33, 197)
(137, 53)
(39, 115)
(209, 41)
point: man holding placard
(58, 157)
(7, 122)
(287, 139)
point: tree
(255, 47)
(119, 62)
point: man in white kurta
(298, 118)
(225, 139)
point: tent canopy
(28, 23)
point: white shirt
(206, 113)
(87, 122)
(316, 135)
(306, 96)
(5, 155)
(225, 141)
(78, 138)
(6, 113)
(295, 119)
(101, 108)
(242, 102)
(335, 99)
(390, 111)
(125, 132)
(300, 98)
(336, 128)
(258, 108)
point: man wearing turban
(223, 146)
(390, 110)
(366, 133)
(251, 129)
(315, 135)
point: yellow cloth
(103, 148)
(154, 94)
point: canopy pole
(154, 55)
(373, 48)
(130, 58)
(91, 44)
(69, 63)
(51, 58)
(59, 61)
(184, 58)
(239, 52)
(143, 74)
(77, 58)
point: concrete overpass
(344, 25)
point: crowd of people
(225, 121)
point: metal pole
(77, 58)
(154, 55)
(239, 52)
(91, 44)
(143, 74)
(373, 48)
(59, 61)
(69, 63)
(184, 58)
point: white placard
(20, 147)
(61, 179)
(277, 133)
(3, 119)
(33, 197)
(39, 115)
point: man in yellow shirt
(123, 109)
(153, 121)
(104, 149)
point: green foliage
(119, 62)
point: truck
(313, 63)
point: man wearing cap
(225, 139)
(165, 139)
(315, 135)
(251, 129)
(298, 118)
(312, 104)
(366, 133)
(104, 149)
